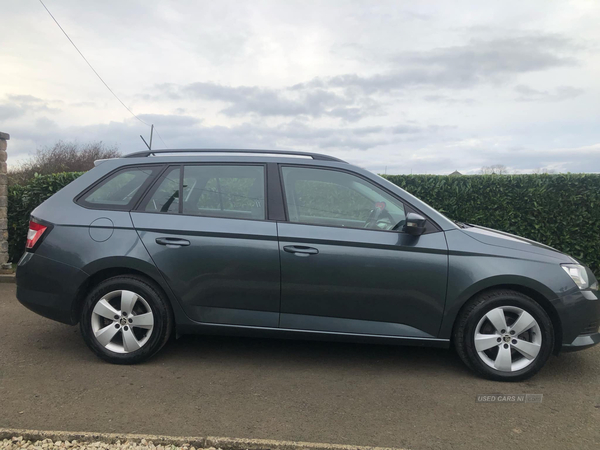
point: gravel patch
(18, 443)
(16, 438)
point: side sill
(288, 333)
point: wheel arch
(535, 294)
(106, 268)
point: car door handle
(172, 242)
(300, 250)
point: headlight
(578, 274)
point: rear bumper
(49, 288)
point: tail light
(34, 234)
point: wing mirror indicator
(415, 224)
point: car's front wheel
(126, 320)
(504, 335)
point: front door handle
(300, 250)
(172, 242)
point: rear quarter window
(119, 190)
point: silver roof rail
(315, 156)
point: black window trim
(141, 204)
(156, 171)
(276, 203)
(408, 207)
(144, 199)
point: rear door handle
(172, 242)
(300, 250)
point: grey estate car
(292, 245)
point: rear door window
(231, 191)
(228, 191)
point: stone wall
(3, 201)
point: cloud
(399, 148)
(477, 153)
(354, 97)
(25, 99)
(351, 97)
(19, 105)
(188, 132)
(169, 120)
(437, 98)
(421, 87)
(561, 93)
(461, 67)
(83, 104)
(9, 111)
(269, 102)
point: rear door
(206, 228)
(343, 266)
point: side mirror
(415, 224)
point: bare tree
(543, 170)
(496, 169)
(61, 157)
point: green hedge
(24, 199)
(562, 211)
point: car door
(205, 227)
(344, 269)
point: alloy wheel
(122, 321)
(508, 338)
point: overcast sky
(421, 87)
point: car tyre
(126, 319)
(504, 335)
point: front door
(346, 268)
(204, 226)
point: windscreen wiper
(462, 224)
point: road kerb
(7, 278)
(195, 441)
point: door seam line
(280, 275)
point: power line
(91, 67)
(97, 74)
(160, 137)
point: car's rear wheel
(126, 320)
(504, 335)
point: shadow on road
(65, 343)
(300, 352)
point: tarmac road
(290, 390)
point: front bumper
(579, 312)
(48, 287)
(582, 342)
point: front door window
(336, 198)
